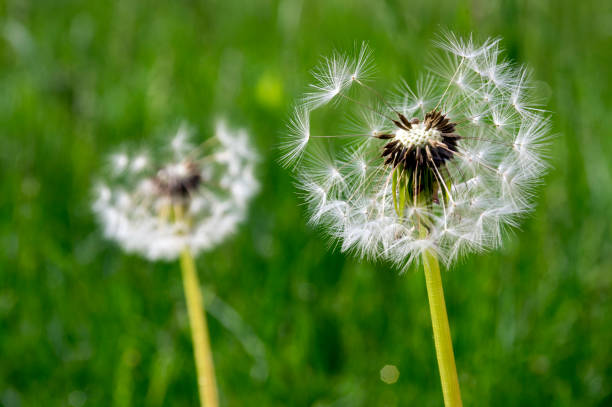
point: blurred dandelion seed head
(157, 203)
(446, 165)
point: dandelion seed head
(446, 164)
(191, 196)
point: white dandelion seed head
(190, 196)
(446, 165)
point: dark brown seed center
(431, 142)
(418, 152)
(178, 181)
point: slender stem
(441, 331)
(199, 332)
(205, 369)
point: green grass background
(82, 324)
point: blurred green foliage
(82, 324)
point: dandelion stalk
(199, 332)
(205, 368)
(441, 331)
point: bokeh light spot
(389, 374)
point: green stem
(199, 332)
(441, 331)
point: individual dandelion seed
(176, 203)
(433, 172)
